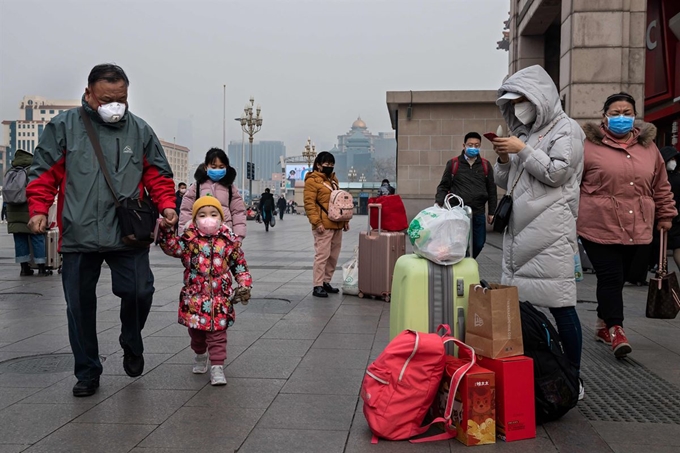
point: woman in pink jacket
(215, 177)
(623, 191)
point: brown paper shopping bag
(494, 325)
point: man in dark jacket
(65, 162)
(179, 195)
(470, 176)
(267, 207)
(281, 205)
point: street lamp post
(362, 178)
(251, 125)
(243, 157)
(352, 174)
(310, 152)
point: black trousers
(131, 280)
(612, 264)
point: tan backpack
(340, 205)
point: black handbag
(137, 216)
(663, 296)
(501, 217)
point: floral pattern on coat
(205, 299)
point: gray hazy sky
(313, 65)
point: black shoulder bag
(137, 216)
(501, 217)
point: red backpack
(400, 386)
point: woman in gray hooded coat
(544, 158)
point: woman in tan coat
(624, 190)
(319, 184)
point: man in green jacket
(65, 163)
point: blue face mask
(216, 174)
(620, 125)
(472, 152)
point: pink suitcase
(378, 253)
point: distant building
(34, 113)
(359, 148)
(266, 156)
(178, 157)
(4, 164)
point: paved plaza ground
(295, 365)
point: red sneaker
(620, 344)
(602, 333)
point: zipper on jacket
(117, 154)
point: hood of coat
(646, 133)
(537, 86)
(201, 176)
(668, 153)
(22, 158)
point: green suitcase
(425, 295)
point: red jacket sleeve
(157, 176)
(47, 171)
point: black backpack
(556, 378)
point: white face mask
(525, 112)
(671, 165)
(112, 112)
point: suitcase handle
(379, 207)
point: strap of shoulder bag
(94, 139)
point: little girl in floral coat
(208, 250)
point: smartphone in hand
(490, 136)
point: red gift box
(473, 407)
(515, 407)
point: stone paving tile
(61, 392)
(256, 322)
(266, 440)
(171, 377)
(137, 406)
(239, 392)
(324, 381)
(352, 324)
(28, 423)
(31, 380)
(651, 435)
(336, 358)
(93, 438)
(294, 330)
(114, 363)
(259, 365)
(9, 396)
(344, 341)
(588, 439)
(299, 411)
(295, 348)
(12, 448)
(193, 428)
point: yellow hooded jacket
(318, 189)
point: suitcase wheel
(361, 295)
(387, 298)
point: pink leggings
(214, 342)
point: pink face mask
(208, 225)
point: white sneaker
(200, 363)
(217, 375)
(581, 390)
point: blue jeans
(22, 250)
(478, 234)
(569, 328)
(131, 280)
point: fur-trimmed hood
(645, 132)
(201, 176)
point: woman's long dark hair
(211, 156)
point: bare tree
(385, 168)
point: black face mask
(328, 171)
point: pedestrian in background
(386, 188)
(17, 225)
(65, 162)
(179, 195)
(3, 216)
(624, 190)
(266, 207)
(543, 161)
(281, 205)
(470, 176)
(327, 234)
(216, 177)
(209, 250)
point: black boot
(26, 270)
(42, 271)
(319, 292)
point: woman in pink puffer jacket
(215, 177)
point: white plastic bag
(350, 275)
(441, 234)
